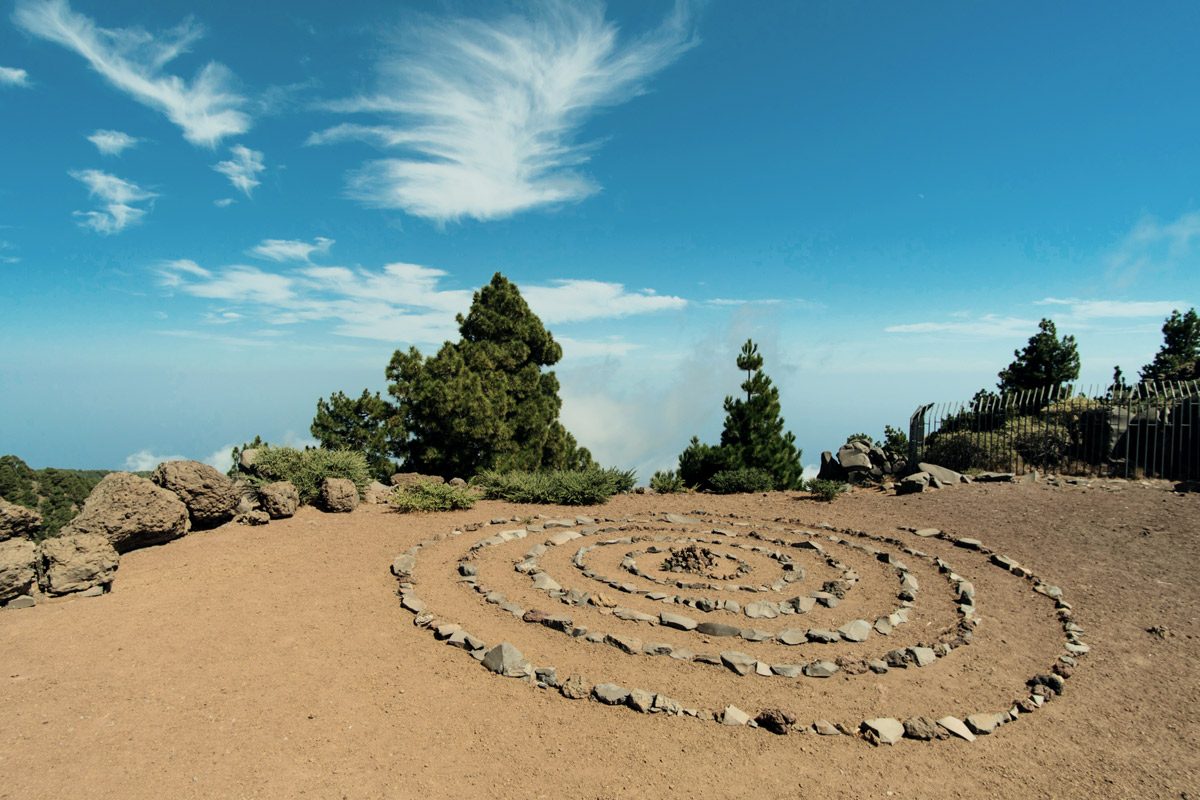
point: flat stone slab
(822, 635)
(793, 636)
(984, 724)
(628, 644)
(718, 629)
(740, 663)
(610, 694)
(856, 631)
(925, 533)
(886, 730)
(545, 583)
(732, 715)
(678, 621)
(787, 670)
(563, 537)
(923, 656)
(821, 669)
(761, 610)
(956, 727)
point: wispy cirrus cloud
(1153, 246)
(988, 325)
(14, 76)
(291, 249)
(112, 143)
(486, 114)
(116, 197)
(5, 249)
(243, 168)
(1085, 310)
(207, 109)
(400, 302)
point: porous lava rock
(279, 499)
(18, 558)
(18, 522)
(338, 495)
(76, 563)
(211, 498)
(131, 512)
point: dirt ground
(275, 662)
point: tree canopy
(1179, 357)
(361, 424)
(1046, 360)
(753, 436)
(483, 402)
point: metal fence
(1150, 430)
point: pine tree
(753, 436)
(483, 402)
(1179, 357)
(361, 424)
(1046, 360)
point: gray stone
(506, 660)
(955, 726)
(678, 621)
(545, 583)
(826, 728)
(465, 641)
(984, 724)
(627, 644)
(820, 669)
(913, 484)
(883, 626)
(629, 615)
(761, 610)
(547, 676)
(946, 476)
(787, 670)
(856, 631)
(920, 728)
(640, 700)
(877, 666)
(884, 730)
(755, 635)
(717, 629)
(573, 688)
(740, 663)
(823, 636)
(378, 494)
(610, 694)
(665, 705)
(404, 564)
(926, 532)
(732, 715)
(410, 602)
(793, 636)
(922, 656)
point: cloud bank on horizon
(207, 197)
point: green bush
(430, 496)
(743, 480)
(825, 490)
(307, 469)
(666, 482)
(555, 487)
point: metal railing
(1149, 430)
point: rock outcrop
(338, 495)
(76, 563)
(211, 498)
(131, 512)
(18, 522)
(410, 478)
(279, 499)
(377, 493)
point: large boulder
(18, 568)
(211, 498)
(338, 495)
(131, 512)
(75, 563)
(947, 476)
(377, 493)
(854, 456)
(247, 459)
(831, 470)
(18, 522)
(279, 499)
(913, 484)
(411, 478)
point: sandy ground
(275, 662)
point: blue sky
(213, 214)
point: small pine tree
(361, 425)
(1179, 357)
(1046, 360)
(753, 437)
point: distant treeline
(57, 494)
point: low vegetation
(432, 496)
(307, 469)
(555, 487)
(741, 481)
(667, 482)
(825, 490)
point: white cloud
(116, 197)
(145, 460)
(611, 347)
(242, 170)
(12, 76)
(1083, 310)
(1154, 246)
(989, 325)
(224, 202)
(291, 249)
(112, 143)
(221, 459)
(207, 109)
(401, 302)
(4, 257)
(486, 114)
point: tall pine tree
(1046, 360)
(753, 437)
(1179, 357)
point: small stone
(826, 728)
(793, 636)
(955, 726)
(921, 728)
(883, 626)
(640, 700)
(21, 601)
(820, 669)
(732, 715)
(761, 610)
(969, 544)
(740, 663)
(923, 656)
(717, 629)
(823, 636)
(787, 670)
(925, 533)
(884, 730)
(983, 724)
(755, 635)
(547, 675)
(762, 668)
(506, 660)
(610, 694)
(775, 720)
(665, 705)
(856, 631)
(545, 583)
(573, 688)
(627, 644)
(678, 621)
(413, 603)
(877, 666)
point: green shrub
(554, 487)
(666, 482)
(307, 469)
(430, 496)
(743, 480)
(825, 490)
